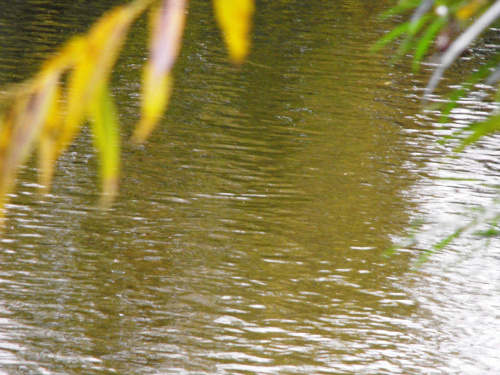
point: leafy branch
(449, 27)
(72, 87)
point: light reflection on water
(248, 234)
(460, 286)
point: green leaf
(413, 29)
(390, 36)
(453, 98)
(426, 40)
(439, 246)
(400, 8)
(479, 130)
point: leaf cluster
(73, 87)
(449, 28)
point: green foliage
(448, 28)
(424, 44)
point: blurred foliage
(445, 30)
(72, 87)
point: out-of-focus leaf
(107, 140)
(442, 244)
(423, 8)
(96, 57)
(461, 43)
(33, 111)
(494, 77)
(413, 29)
(167, 29)
(66, 59)
(390, 36)
(426, 40)
(458, 93)
(452, 102)
(156, 95)
(479, 130)
(91, 58)
(20, 128)
(235, 20)
(49, 140)
(470, 9)
(400, 7)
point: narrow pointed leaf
(235, 20)
(166, 36)
(422, 9)
(48, 148)
(19, 130)
(479, 130)
(401, 7)
(97, 55)
(156, 95)
(32, 110)
(414, 28)
(390, 36)
(426, 40)
(107, 141)
(461, 43)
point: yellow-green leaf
(235, 19)
(107, 140)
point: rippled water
(248, 234)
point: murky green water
(248, 234)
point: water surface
(249, 231)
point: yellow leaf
(48, 148)
(167, 27)
(96, 55)
(19, 129)
(70, 53)
(33, 110)
(155, 94)
(470, 9)
(235, 19)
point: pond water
(249, 230)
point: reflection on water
(248, 234)
(460, 286)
